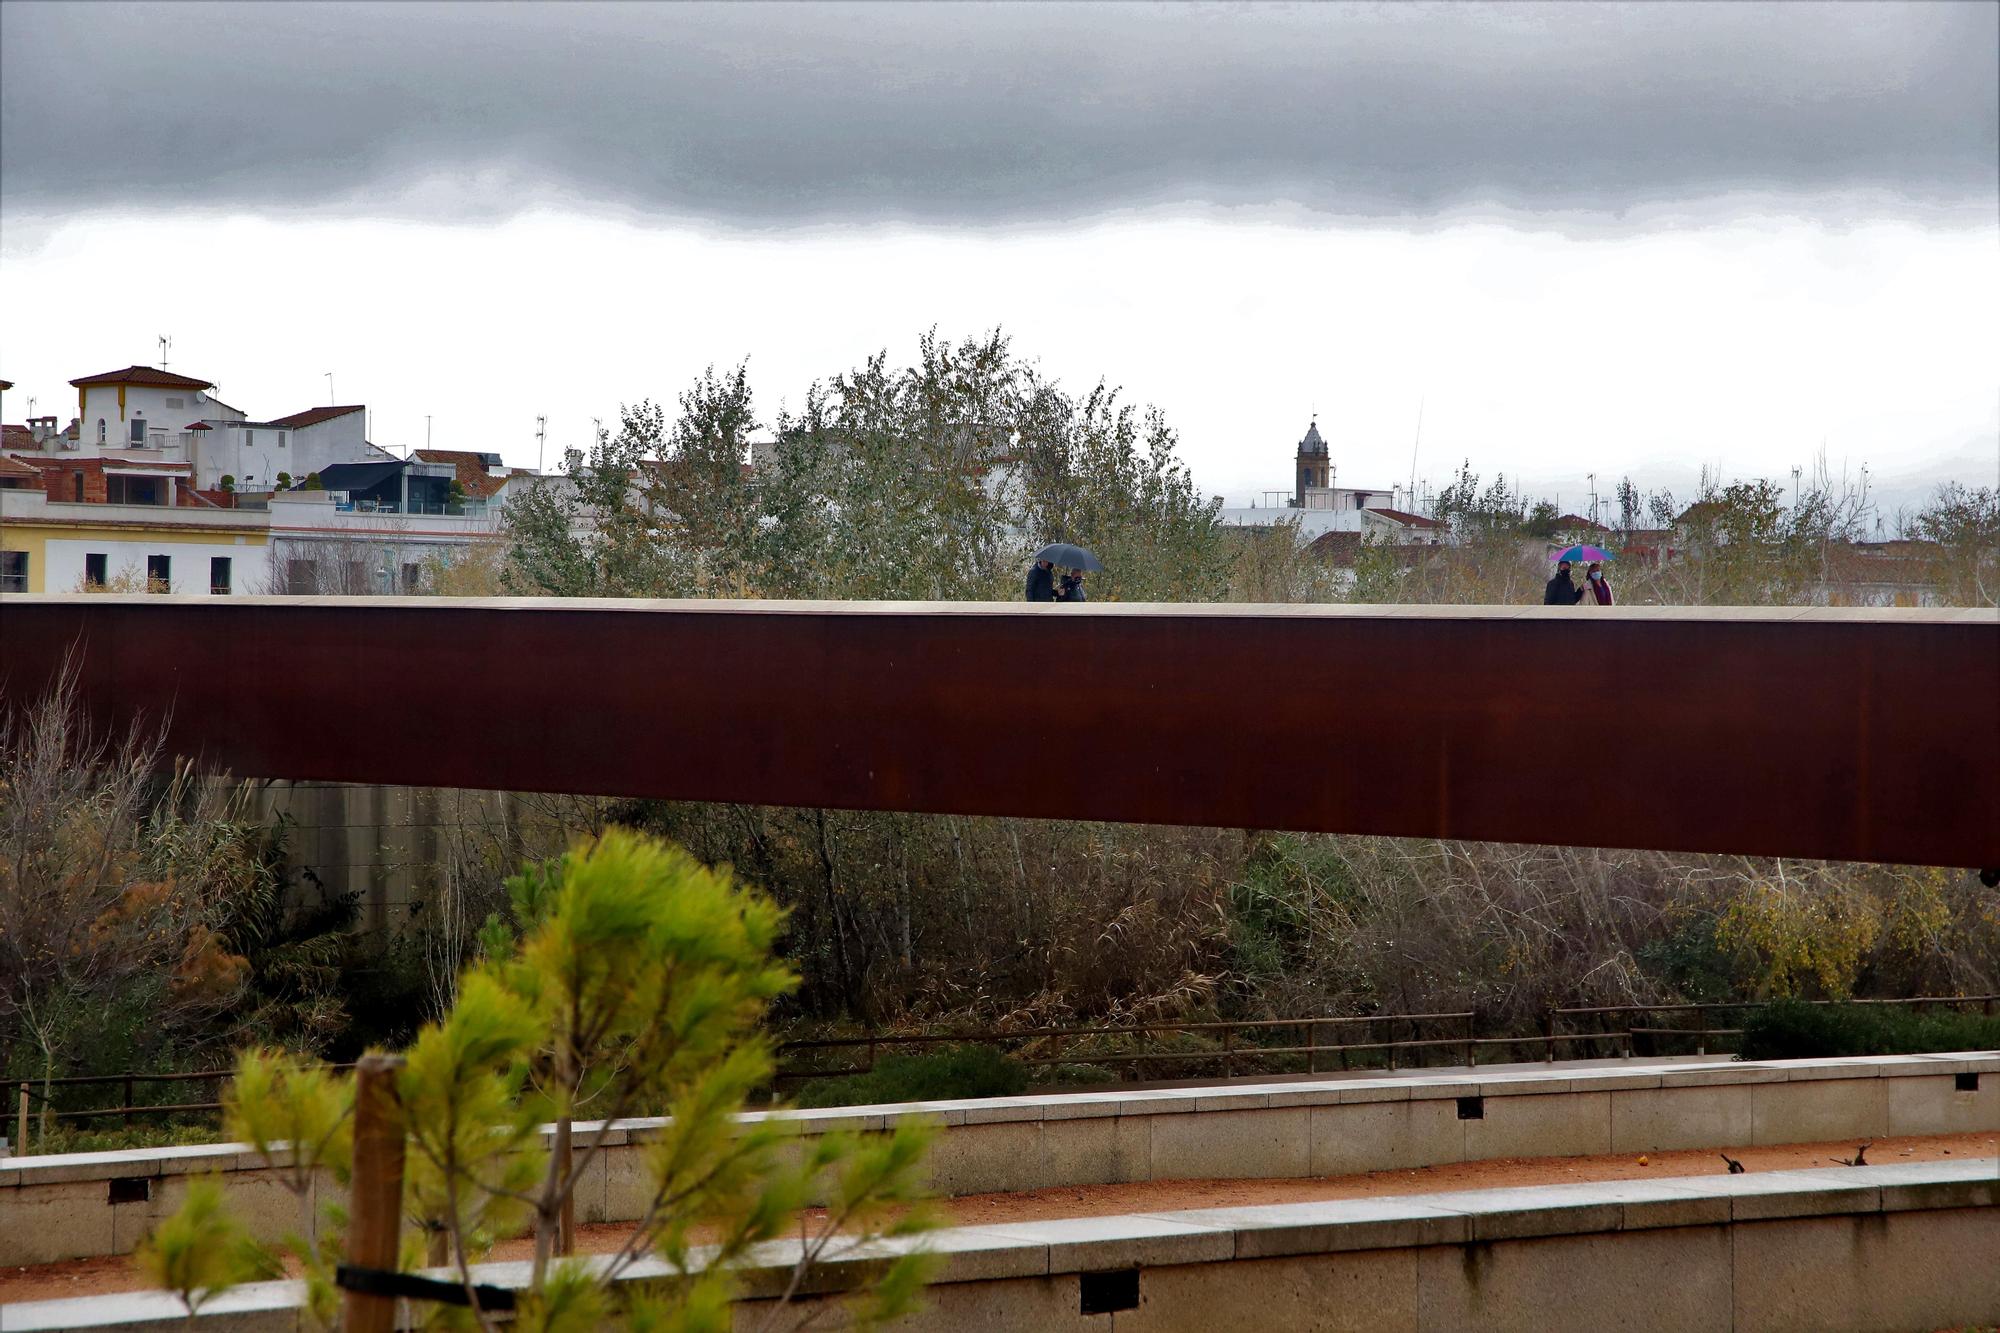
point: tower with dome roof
(1314, 471)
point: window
(13, 571)
(176, 402)
(159, 573)
(281, 439)
(94, 573)
(139, 431)
(249, 437)
(413, 578)
(76, 479)
(123, 490)
(218, 575)
(100, 430)
(300, 578)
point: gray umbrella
(1069, 557)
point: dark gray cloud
(962, 113)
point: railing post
(376, 1198)
(1471, 1051)
(1312, 1048)
(1390, 1044)
(1549, 1033)
(21, 1148)
(1228, 1054)
(128, 1101)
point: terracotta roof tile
(312, 416)
(18, 437)
(1406, 519)
(14, 467)
(146, 375)
(472, 476)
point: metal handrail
(1230, 1055)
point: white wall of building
(188, 569)
(166, 414)
(375, 550)
(255, 453)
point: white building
(144, 414)
(263, 455)
(59, 546)
(1316, 506)
(143, 408)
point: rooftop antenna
(165, 341)
(541, 440)
(427, 430)
(1413, 452)
(329, 389)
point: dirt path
(90, 1277)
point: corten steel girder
(1841, 734)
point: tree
(933, 480)
(1629, 507)
(112, 905)
(630, 979)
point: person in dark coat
(1042, 582)
(1561, 590)
(1072, 587)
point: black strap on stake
(409, 1286)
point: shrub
(1793, 1030)
(955, 1071)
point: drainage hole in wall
(1471, 1108)
(131, 1189)
(1107, 1293)
(1966, 1082)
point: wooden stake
(566, 1220)
(375, 1223)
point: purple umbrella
(1583, 555)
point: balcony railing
(467, 509)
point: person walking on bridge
(1561, 589)
(1598, 586)
(1042, 582)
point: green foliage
(199, 1251)
(634, 979)
(280, 1103)
(1795, 1030)
(228, 482)
(954, 1071)
(934, 481)
(298, 1117)
(1807, 934)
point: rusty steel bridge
(1864, 735)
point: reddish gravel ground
(90, 1277)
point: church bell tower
(1313, 465)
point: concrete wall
(59, 1207)
(403, 849)
(1892, 1247)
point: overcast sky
(1584, 238)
